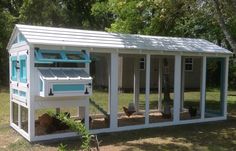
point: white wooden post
(31, 93)
(82, 112)
(11, 109)
(177, 88)
(86, 114)
(109, 84)
(136, 84)
(182, 85)
(147, 89)
(82, 109)
(226, 70)
(203, 87)
(160, 85)
(114, 90)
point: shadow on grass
(220, 135)
(209, 135)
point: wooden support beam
(203, 87)
(136, 84)
(114, 90)
(226, 72)
(160, 84)
(30, 95)
(147, 89)
(177, 88)
(108, 61)
(182, 84)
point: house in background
(192, 66)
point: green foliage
(62, 147)
(182, 18)
(77, 127)
(46, 12)
(232, 74)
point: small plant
(62, 147)
(77, 127)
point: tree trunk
(223, 27)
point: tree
(6, 25)
(221, 19)
(46, 12)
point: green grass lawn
(206, 136)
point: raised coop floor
(99, 121)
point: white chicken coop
(50, 68)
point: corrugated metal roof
(98, 39)
(61, 74)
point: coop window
(19, 38)
(188, 64)
(24, 118)
(50, 56)
(13, 68)
(73, 56)
(47, 55)
(15, 113)
(22, 93)
(23, 70)
(15, 91)
(142, 64)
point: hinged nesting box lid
(64, 74)
(64, 82)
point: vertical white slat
(11, 108)
(136, 84)
(160, 85)
(182, 84)
(177, 88)
(203, 87)
(226, 70)
(31, 93)
(147, 89)
(109, 83)
(19, 116)
(114, 90)
(86, 113)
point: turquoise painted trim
(57, 60)
(15, 91)
(23, 68)
(13, 68)
(22, 93)
(40, 59)
(68, 87)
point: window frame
(39, 58)
(188, 63)
(23, 68)
(14, 68)
(142, 61)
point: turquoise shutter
(23, 69)
(13, 68)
